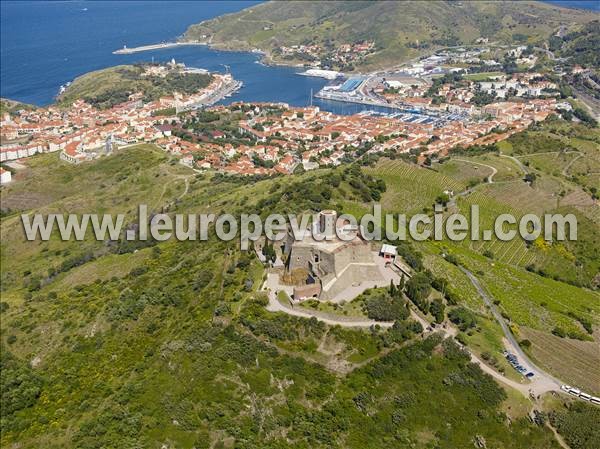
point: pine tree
(402, 283)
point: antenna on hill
(311, 97)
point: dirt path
(545, 153)
(558, 437)
(516, 161)
(566, 169)
(276, 306)
(169, 183)
(541, 383)
(490, 178)
(187, 187)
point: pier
(126, 51)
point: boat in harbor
(320, 73)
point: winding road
(517, 161)
(542, 382)
(275, 305)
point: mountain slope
(579, 45)
(165, 343)
(400, 30)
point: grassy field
(465, 170)
(110, 186)
(483, 76)
(349, 309)
(553, 163)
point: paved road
(275, 306)
(542, 382)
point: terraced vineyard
(529, 299)
(514, 251)
(578, 361)
(411, 188)
(592, 212)
(552, 163)
(460, 281)
(564, 150)
(519, 196)
(464, 171)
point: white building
(5, 176)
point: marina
(404, 113)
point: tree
(269, 252)
(437, 309)
(383, 307)
(463, 318)
(443, 199)
(525, 343)
(418, 287)
(21, 387)
(585, 117)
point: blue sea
(593, 5)
(46, 44)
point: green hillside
(580, 46)
(107, 87)
(11, 106)
(400, 30)
(559, 188)
(103, 343)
